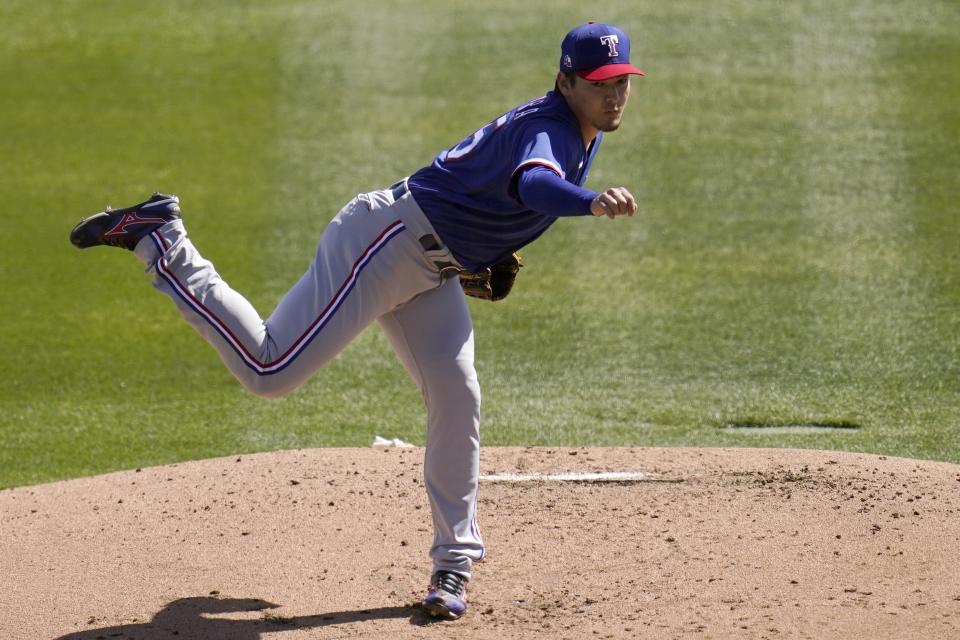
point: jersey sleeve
(539, 149)
(543, 191)
(547, 144)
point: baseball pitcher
(404, 256)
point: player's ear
(563, 83)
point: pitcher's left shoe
(125, 227)
(447, 597)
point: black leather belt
(399, 189)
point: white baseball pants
(377, 260)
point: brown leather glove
(492, 283)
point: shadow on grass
(192, 619)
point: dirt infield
(331, 543)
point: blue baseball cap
(596, 51)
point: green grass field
(797, 259)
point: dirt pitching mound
(659, 543)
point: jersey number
(470, 142)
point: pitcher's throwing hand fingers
(615, 201)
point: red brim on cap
(608, 71)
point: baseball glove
(492, 283)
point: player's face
(598, 105)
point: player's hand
(615, 201)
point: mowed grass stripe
(853, 211)
(874, 291)
(927, 57)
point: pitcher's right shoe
(125, 227)
(447, 597)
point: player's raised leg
(365, 265)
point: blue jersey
(469, 192)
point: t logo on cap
(611, 41)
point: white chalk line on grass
(606, 476)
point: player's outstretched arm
(543, 190)
(615, 201)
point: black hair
(571, 78)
